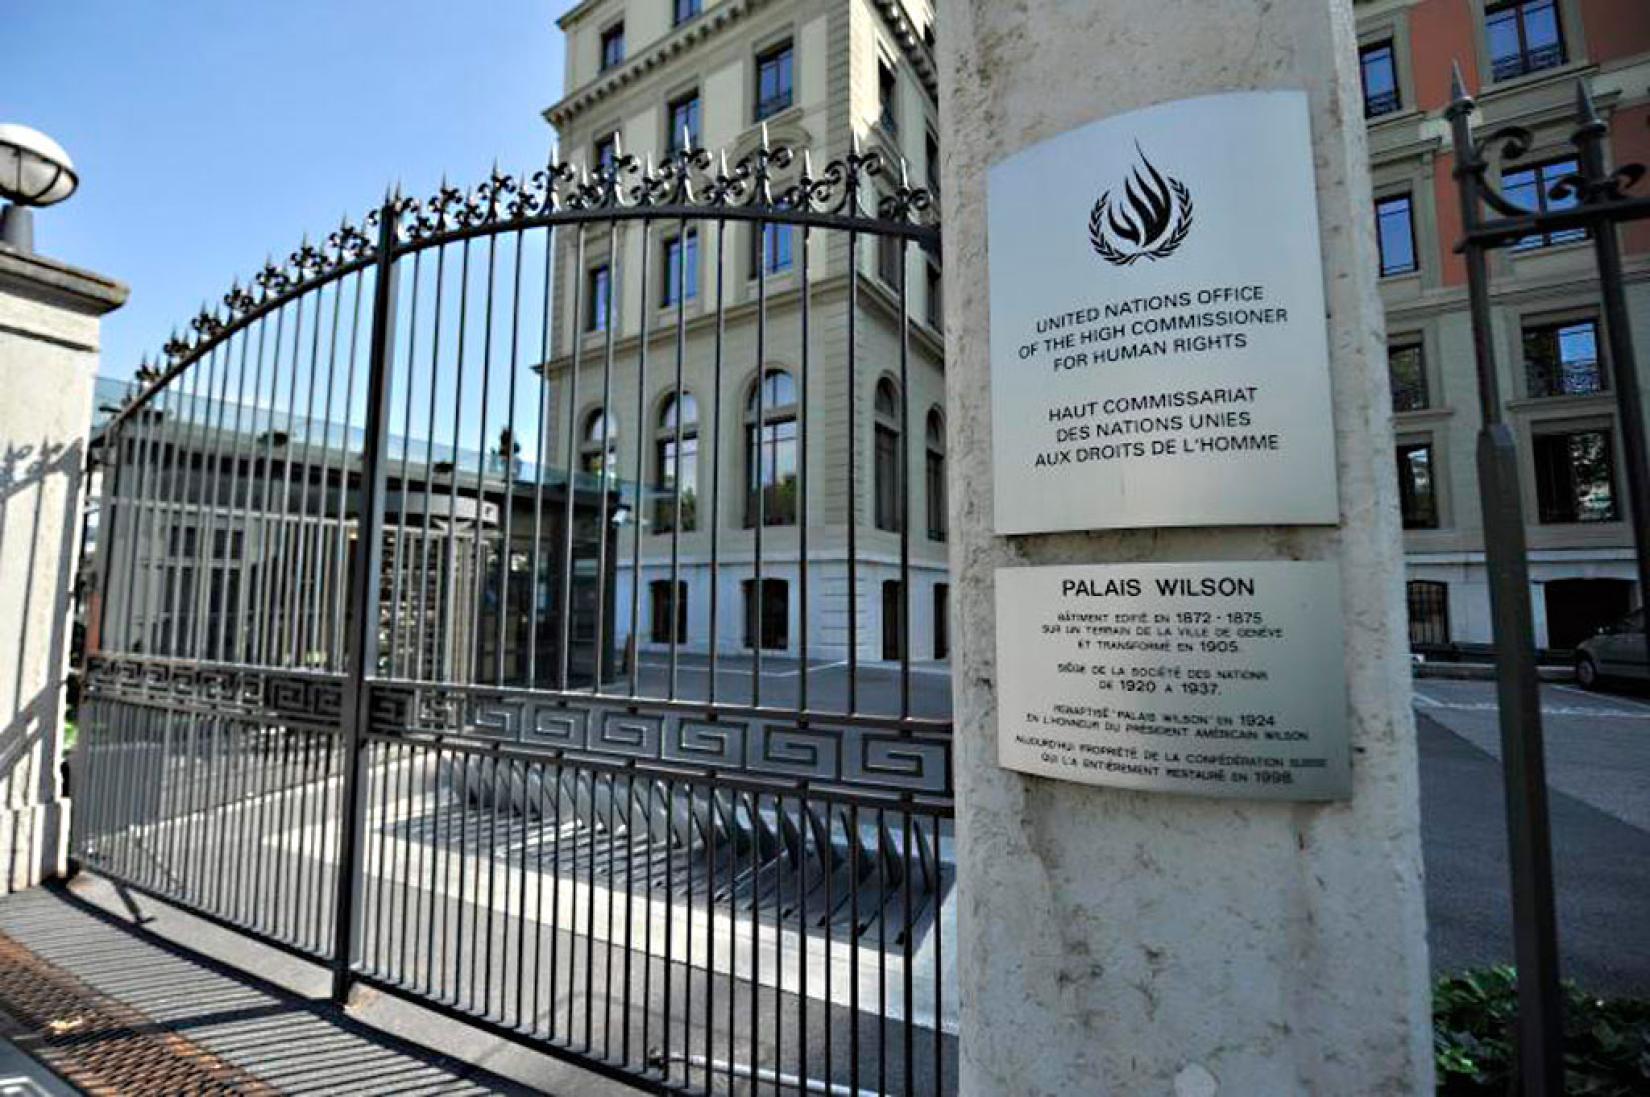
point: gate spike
(1457, 85)
(1586, 112)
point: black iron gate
(368, 679)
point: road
(1598, 768)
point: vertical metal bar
(571, 483)
(364, 598)
(1529, 836)
(676, 459)
(267, 531)
(907, 1001)
(609, 456)
(207, 508)
(853, 946)
(235, 560)
(251, 547)
(398, 560)
(903, 478)
(718, 444)
(306, 587)
(759, 438)
(540, 472)
(480, 549)
(427, 501)
(287, 599)
(640, 478)
(851, 515)
(802, 421)
(340, 558)
(507, 447)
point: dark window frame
(1418, 503)
(1380, 103)
(1543, 175)
(780, 429)
(692, 103)
(776, 626)
(886, 450)
(664, 465)
(1560, 502)
(683, 10)
(1393, 269)
(598, 289)
(659, 602)
(772, 247)
(778, 59)
(1547, 377)
(934, 477)
(611, 48)
(887, 96)
(1415, 395)
(671, 247)
(1529, 59)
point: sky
(208, 135)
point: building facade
(1521, 59)
(712, 481)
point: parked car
(1618, 651)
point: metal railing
(369, 677)
(1593, 198)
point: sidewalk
(115, 1009)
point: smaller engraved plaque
(1212, 679)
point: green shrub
(1606, 1043)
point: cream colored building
(817, 75)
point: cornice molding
(711, 23)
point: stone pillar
(48, 360)
(1123, 942)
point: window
(770, 451)
(773, 81)
(683, 10)
(599, 298)
(676, 462)
(936, 296)
(1395, 232)
(1562, 359)
(680, 270)
(1417, 494)
(668, 611)
(886, 500)
(935, 478)
(601, 433)
(1380, 79)
(771, 248)
(890, 259)
(931, 160)
(684, 123)
(893, 619)
(1428, 613)
(1523, 36)
(1407, 369)
(607, 151)
(612, 46)
(1531, 188)
(887, 97)
(942, 620)
(767, 617)
(1575, 477)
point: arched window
(599, 431)
(887, 485)
(770, 451)
(676, 462)
(935, 478)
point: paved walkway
(118, 1010)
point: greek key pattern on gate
(819, 753)
(271, 696)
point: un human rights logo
(1149, 220)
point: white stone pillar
(1123, 942)
(48, 360)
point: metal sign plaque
(1214, 679)
(1159, 351)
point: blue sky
(208, 134)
